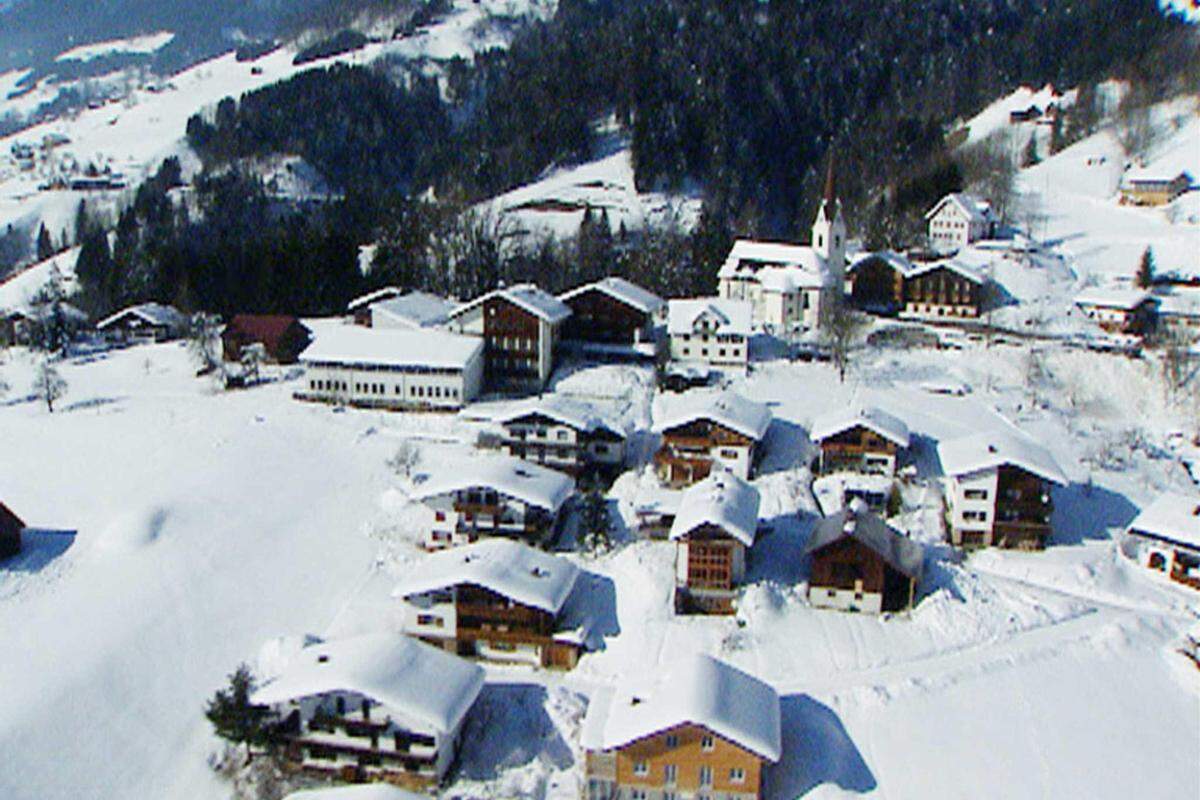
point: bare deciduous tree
(204, 341)
(254, 355)
(406, 457)
(48, 385)
(840, 328)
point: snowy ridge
(137, 45)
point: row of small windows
(641, 769)
(721, 352)
(379, 389)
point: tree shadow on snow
(785, 446)
(38, 548)
(1087, 511)
(592, 607)
(816, 750)
(94, 402)
(509, 727)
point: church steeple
(829, 229)
(830, 196)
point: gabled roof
(953, 264)
(415, 309)
(419, 681)
(697, 690)
(731, 316)
(856, 522)
(1154, 174)
(971, 206)
(621, 290)
(572, 413)
(351, 344)
(722, 499)
(530, 483)
(364, 791)
(897, 261)
(526, 296)
(374, 297)
(1171, 516)
(149, 313)
(514, 570)
(1119, 297)
(777, 265)
(980, 451)
(869, 417)
(725, 408)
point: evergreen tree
(1145, 272)
(594, 521)
(234, 717)
(45, 247)
(1029, 156)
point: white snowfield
(135, 45)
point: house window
(975, 494)
(670, 774)
(974, 516)
(672, 741)
(737, 775)
(637, 794)
(707, 743)
(727, 453)
(641, 769)
(706, 776)
(429, 620)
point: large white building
(392, 369)
(710, 331)
(958, 220)
(786, 284)
(379, 707)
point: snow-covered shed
(400, 701)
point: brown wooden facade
(1023, 509)
(686, 455)
(877, 286)
(283, 337)
(485, 617)
(849, 449)
(687, 760)
(601, 318)
(512, 346)
(708, 578)
(847, 565)
(942, 292)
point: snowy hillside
(136, 45)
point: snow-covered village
(395, 450)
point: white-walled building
(561, 433)
(379, 707)
(999, 490)
(958, 220)
(1167, 536)
(787, 284)
(710, 331)
(496, 599)
(392, 369)
(493, 495)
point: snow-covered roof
(975, 209)
(967, 271)
(624, 291)
(149, 313)
(1171, 516)
(897, 261)
(697, 690)
(509, 568)
(512, 477)
(526, 296)
(364, 791)
(415, 309)
(776, 265)
(1156, 174)
(568, 411)
(1119, 297)
(731, 316)
(724, 408)
(869, 417)
(855, 521)
(722, 499)
(419, 681)
(351, 344)
(373, 297)
(1179, 302)
(989, 449)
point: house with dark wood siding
(283, 338)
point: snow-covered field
(209, 524)
(134, 45)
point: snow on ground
(10, 80)
(135, 45)
(19, 288)
(209, 525)
(1188, 9)
(995, 118)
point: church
(788, 284)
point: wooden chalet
(864, 439)
(283, 338)
(562, 434)
(489, 496)
(613, 317)
(146, 322)
(1152, 187)
(521, 327)
(381, 707)
(714, 527)
(701, 729)
(11, 527)
(945, 289)
(497, 600)
(860, 563)
(1118, 309)
(876, 281)
(1000, 490)
(1167, 536)
(700, 429)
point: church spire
(830, 196)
